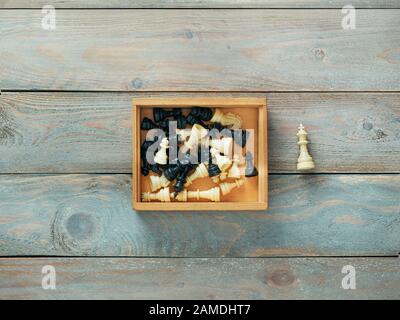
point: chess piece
(146, 165)
(157, 182)
(192, 120)
(227, 187)
(161, 156)
(234, 171)
(198, 132)
(203, 153)
(212, 194)
(202, 113)
(171, 172)
(183, 134)
(180, 122)
(223, 145)
(160, 114)
(227, 119)
(181, 196)
(162, 195)
(251, 170)
(213, 172)
(305, 161)
(223, 175)
(240, 137)
(223, 162)
(147, 124)
(200, 172)
(181, 178)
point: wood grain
(136, 278)
(91, 215)
(198, 3)
(188, 50)
(91, 132)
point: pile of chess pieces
(204, 140)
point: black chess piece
(202, 113)
(147, 124)
(251, 170)
(213, 169)
(181, 122)
(146, 165)
(240, 137)
(160, 114)
(185, 165)
(172, 171)
(192, 119)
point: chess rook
(162, 195)
(212, 194)
(157, 182)
(227, 187)
(305, 161)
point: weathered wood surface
(199, 3)
(138, 278)
(91, 132)
(178, 50)
(91, 215)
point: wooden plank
(198, 4)
(91, 215)
(254, 278)
(91, 132)
(188, 50)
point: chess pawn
(223, 145)
(223, 162)
(162, 195)
(200, 172)
(198, 132)
(228, 119)
(210, 194)
(305, 161)
(181, 196)
(161, 156)
(160, 114)
(227, 187)
(157, 182)
(234, 171)
(213, 172)
(251, 170)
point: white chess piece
(181, 196)
(223, 175)
(212, 194)
(234, 171)
(223, 162)
(183, 134)
(305, 161)
(161, 156)
(200, 172)
(227, 187)
(157, 182)
(196, 135)
(228, 119)
(162, 195)
(223, 145)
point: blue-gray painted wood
(186, 50)
(91, 215)
(255, 278)
(91, 132)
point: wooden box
(253, 195)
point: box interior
(246, 193)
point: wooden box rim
(220, 102)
